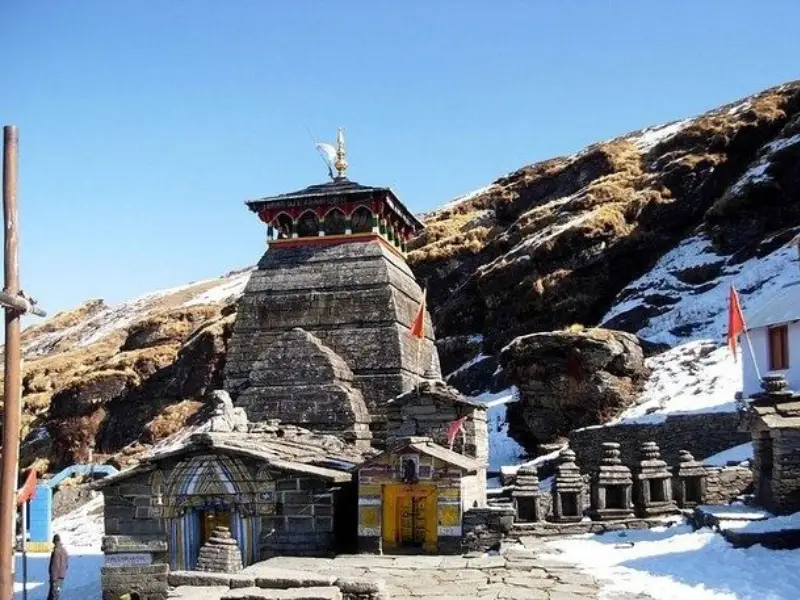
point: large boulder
(570, 379)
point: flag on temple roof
(453, 429)
(418, 325)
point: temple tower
(321, 337)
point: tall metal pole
(13, 358)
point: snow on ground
(675, 563)
(511, 470)
(503, 449)
(81, 532)
(735, 455)
(230, 289)
(648, 138)
(83, 527)
(697, 377)
(771, 525)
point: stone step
(309, 593)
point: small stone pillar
(653, 484)
(691, 481)
(526, 495)
(612, 486)
(569, 492)
(220, 553)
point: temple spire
(341, 162)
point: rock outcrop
(572, 379)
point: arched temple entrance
(203, 492)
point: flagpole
(752, 352)
(740, 314)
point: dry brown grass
(170, 421)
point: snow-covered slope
(686, 294)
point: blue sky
(145, 125)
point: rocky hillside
(554, 243)
(642, 233)
(119, 377)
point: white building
(774, 332)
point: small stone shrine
(430, 409)
(527, 496)
(612, 486)
(774, 419)
(220, 553)
(653, 484)
(412, 498)
(691, 484)
(569, 490)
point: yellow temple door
(410, 517)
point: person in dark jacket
(59, 562)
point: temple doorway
(410, 522)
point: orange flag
(735, 320)
(418, 325)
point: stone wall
(486, 527)
(303, 520)
(357, 299)
(780, 489)
(726, 483)
(702, 434)
(149, 581)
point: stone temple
(321, 337)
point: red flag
(736, 324)
(453, 429)
(28, 489)
(418, 325)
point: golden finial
(341, 162)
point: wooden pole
(13, 357)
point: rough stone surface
(611, 492)
(653, 491)
(220, 553)
(572, 379)
(357, 299)
(225, 417)
(774, 420)
(569, 489)
(299, 380)
(428, 409)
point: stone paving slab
(192, 592)
(309, 593)
(521, 572)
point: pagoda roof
(341, 188)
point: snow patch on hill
(699, 311)
(696, 377)
(111, 319)
(503, 449)
(689, 312)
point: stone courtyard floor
(524, 572)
